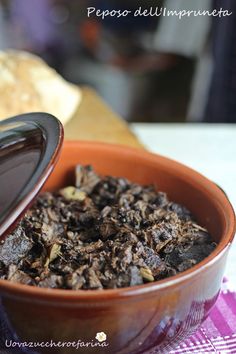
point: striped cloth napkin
(217, 335)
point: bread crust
(28, 84)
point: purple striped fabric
(218, 332)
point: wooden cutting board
(94, 120)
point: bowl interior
(205, 200)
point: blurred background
(148, 69)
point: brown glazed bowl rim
(97, 296)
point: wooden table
(94, 120)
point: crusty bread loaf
(28, 84)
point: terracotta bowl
(136, 319)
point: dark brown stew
(103, 233)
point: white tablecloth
(209, 149)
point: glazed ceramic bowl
(136, 319)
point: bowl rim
(62, 295)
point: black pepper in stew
(104, 233)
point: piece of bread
(28, 84)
